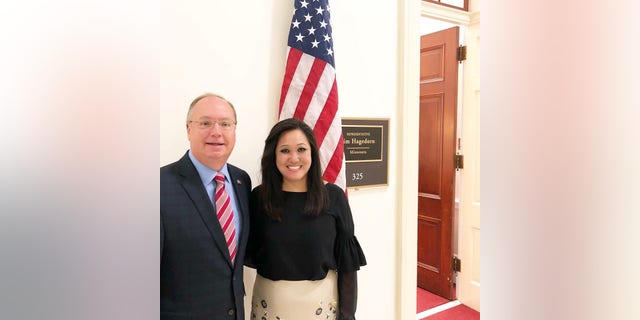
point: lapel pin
(238, 181)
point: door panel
(430, 155)
(438, 104)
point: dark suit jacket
(197, 279)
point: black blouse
(303, 247)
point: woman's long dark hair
(272, 194)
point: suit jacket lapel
(196, 191)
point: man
(200, 265)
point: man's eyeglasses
(225, 125)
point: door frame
(408, 107)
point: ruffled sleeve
(347, 250)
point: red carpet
(428, 300)
(460, 312)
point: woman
(302, 240)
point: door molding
(407, 141)
(447, 14)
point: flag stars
(312, 31)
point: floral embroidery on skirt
(295, 300)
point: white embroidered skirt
(295, 300)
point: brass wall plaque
(366, 151)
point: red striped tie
(225, 215)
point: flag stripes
(309, 88)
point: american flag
(309, 89)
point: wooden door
(436, 170)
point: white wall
(238, 50)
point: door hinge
(461, 54)
(455, 264)
(459, 159)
